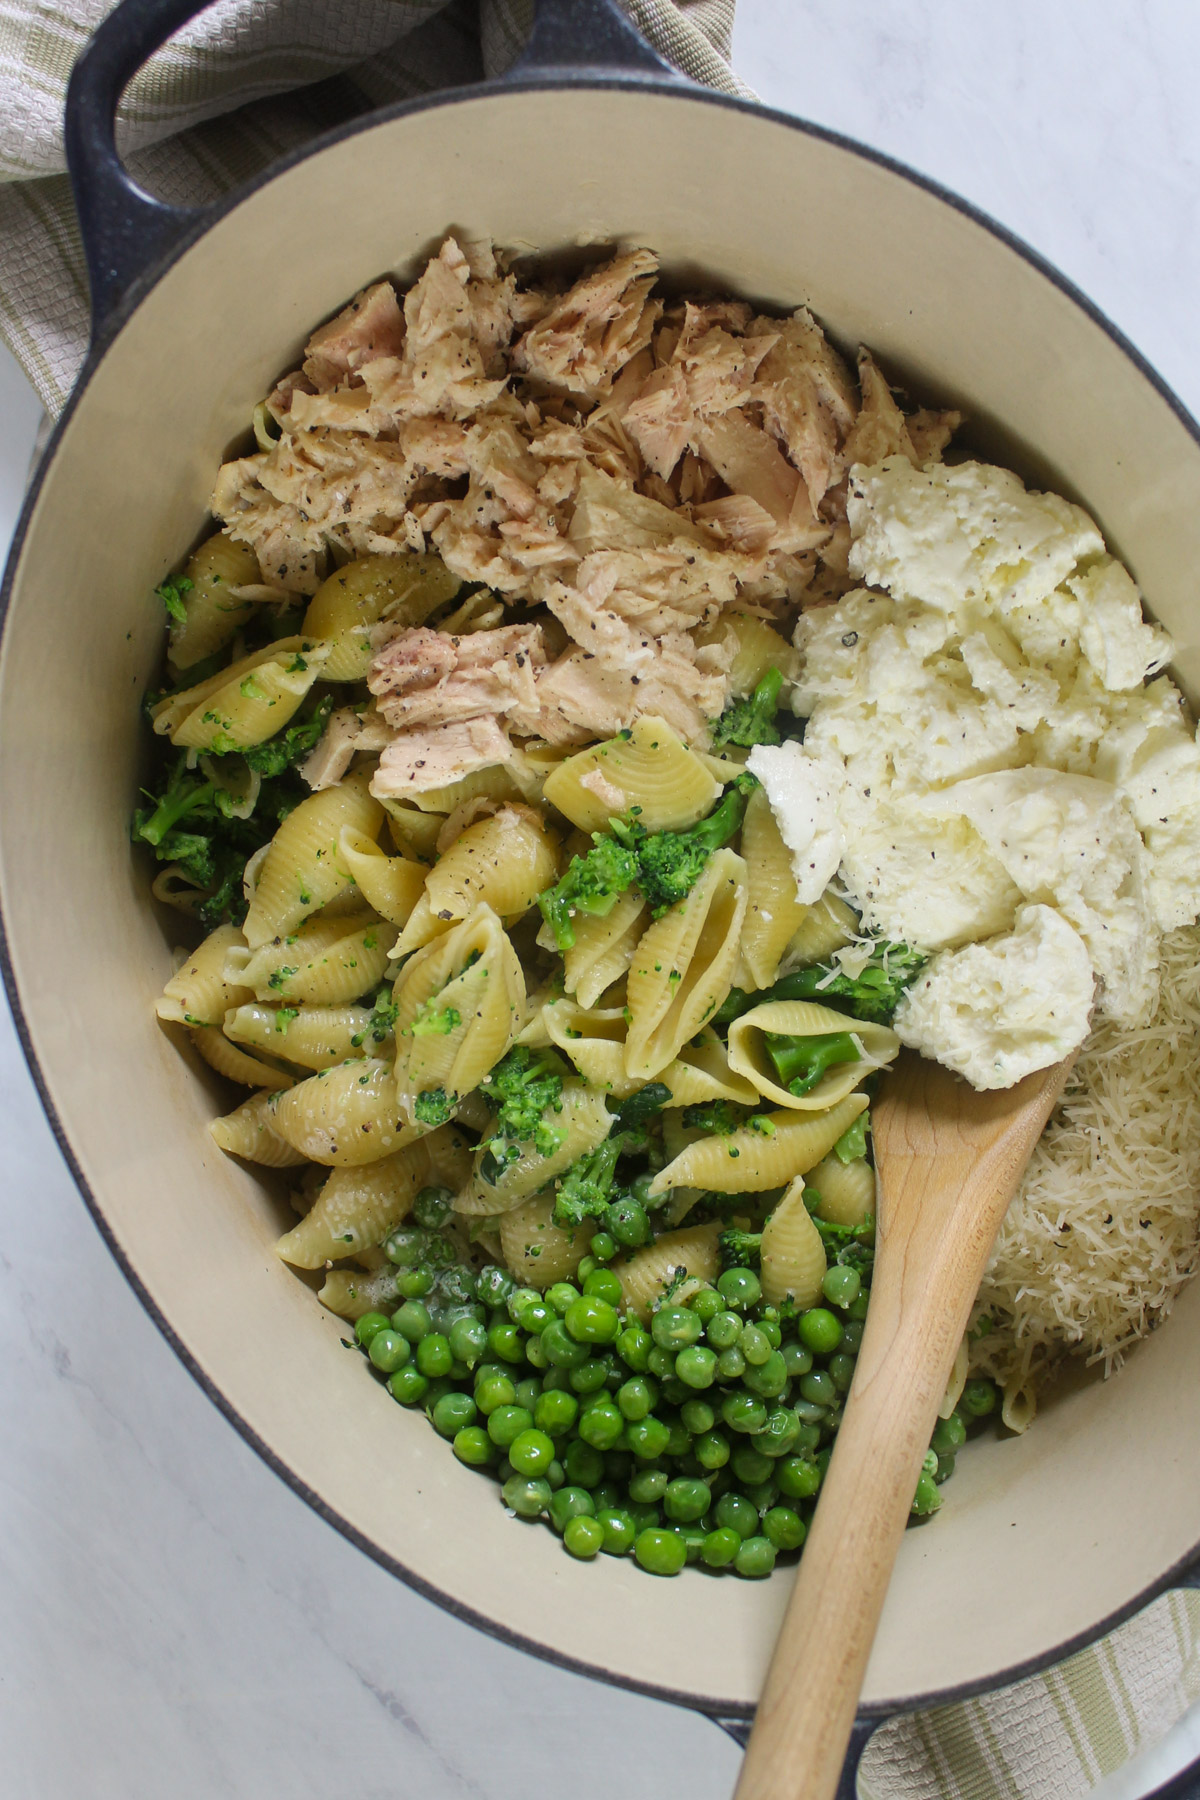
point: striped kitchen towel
(247, 81)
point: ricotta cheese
(998, 1010)
(992, 740)
(804, 799)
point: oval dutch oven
(1045, 1541)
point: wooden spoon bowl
(948, 1160)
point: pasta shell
(301, 871)
(647, 771)
(413, 832)
(751, 1158)
(878, 1046)
(202, 991)
(759, 650)
(847, 1190)
(594, 1042)
(344, 1116)
(352, 1292)
(701, 1072)
(390, 885)
(828, 926)
(470, 980)
(683, 966)
(212, 617)
(234, 1064)
(253, 704)
(536, 1251)
(584, 1121)
(1018, 1403)
(358, 1206)
(603, 947)
(343, 961)
(250, 1132)
(495, 781)
(774, 913)
(504, 861)
(315, 1037)
(793, 1256)
(404, 588)
(646, 1274)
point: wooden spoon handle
(954, 1174)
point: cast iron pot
(1044, 1541)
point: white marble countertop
(175, 1619)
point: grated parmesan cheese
(1105, 1228)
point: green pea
(674, 1391)
(852, 1336)
(531, 1452)
(535, 1355)
(434, 1355)
(494, 1285)
(647, 1486)
(750, 1465)
(602, 1284)
(555, 1411)
(592, 1320)
(523, 1301)
(408, 1386)
(949, 1435)
(755, 1558)
(818, 1388)
(529, 1392)
(661, 1362)
(583, 1537)
(567, 1504)
(945, 1469)
(927, 1499)
(604, 1247)
(412, 1321)
(770, 1327)
(453, 1412)
(561, 1348)
(696, 1366)
(797, 1359)
(528, 1499)
(648, 1437)
(586, 1265)
(858, 1308)
(660, 1552)
(618, 1466)
(679, 1443)
(589, 1377)
(720, 1547)
(819, 1330)
(809, 1413)
(584, 1464)
(735, 1513)
(506, 1423)
(754, 1345)
(601, 1425)
(561, 1295)
(693, 1533)
(471, 1443)
(412, 1284)
(697, 1415)
(731, 1364)
(494, 1391)
(627, 1222)
(798, 1478)
(406, 1246)
(739, 1288)
(636, 1397)
(841, 1287)
(780, 1433)
(633, 1346)
(389, 1352)
(640, 1187)
(686, 1499)
(368, 1325)
(711, 1450)
(841, 1371)
(674, 1327)
(743, 1412)
(979, 1397)
(619, 1530)
(468, 1340)
(706, 1303)
(785, 1528)
(505, 1340)
(723, 1330)
(770, 1378)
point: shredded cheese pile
(1105, 1229)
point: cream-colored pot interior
(1040, 1538)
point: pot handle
(861, 1733)
(571, 38)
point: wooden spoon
(948, 1160)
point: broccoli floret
(291, 746)
(853, 1142)
(740, 1249)
(592, 884)
(873, 994)
(586, 1189)
(801, 1061)
(432, 1020)
(669, 863)
(716, 1117)
(522, 1089)
(382, 1022)
(433, 1106)
(171, 593)
(639, 1108)
(751, 721)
